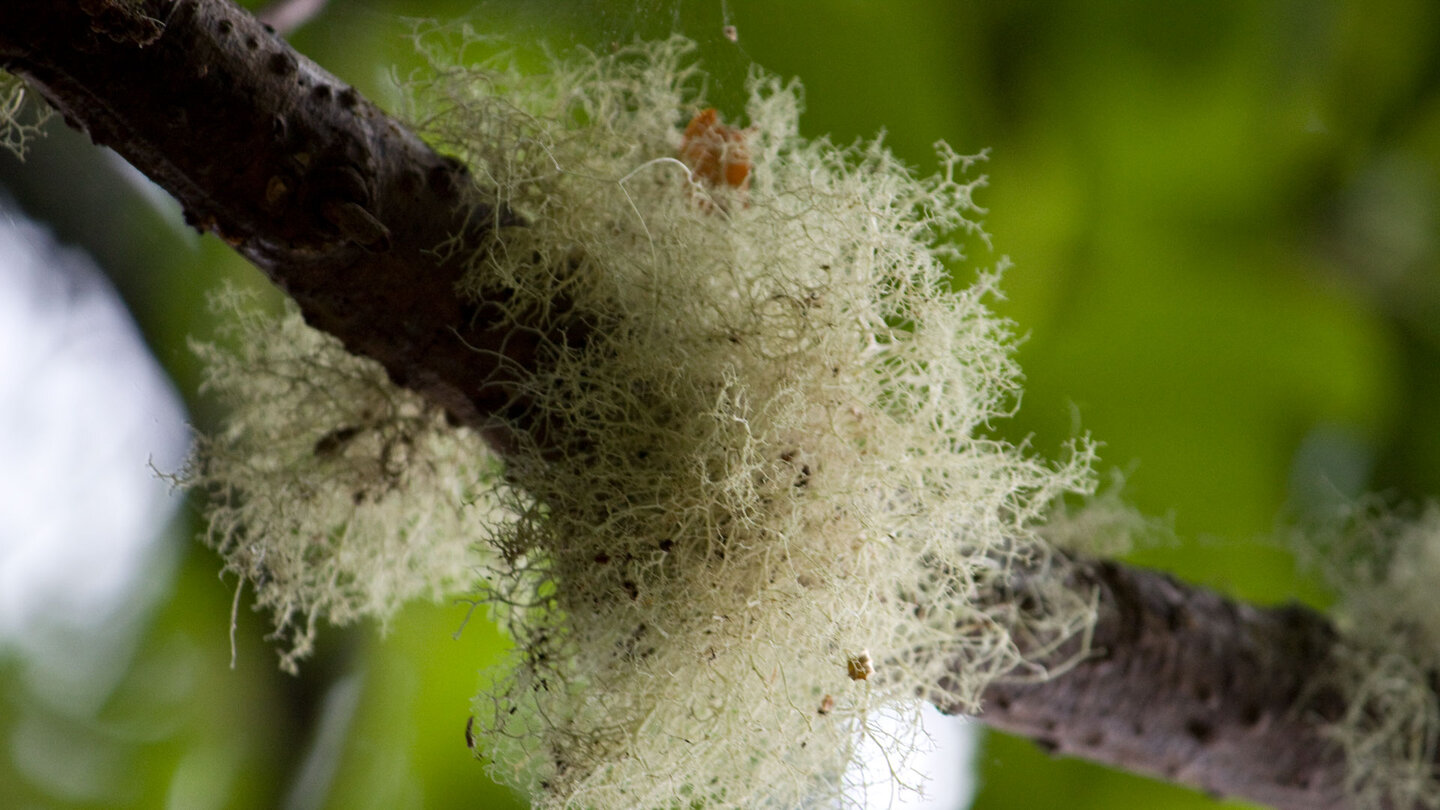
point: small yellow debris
(860, 667)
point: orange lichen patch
(715, 153)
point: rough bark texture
(1185, 685)
(343, 208)
(338, 203)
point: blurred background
(1225, 223)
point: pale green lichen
(1390, 732)
(784, 462)
(22, 119)
(333, 493)
(777, 475)
(1385, 566)
(1104, 525)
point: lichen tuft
(780, 461)
(1384, 565)
(776, 510)
(333, 493)
(21, 119)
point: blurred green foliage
(1224, 221)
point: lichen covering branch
(179, 87)
(775, 508)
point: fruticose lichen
(778, 508)
(20, 123)
(332, 492)
(1385, 566)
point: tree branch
(1187, 686)
(343, 208)
(339, 204)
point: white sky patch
(84, 411)
(939, 775)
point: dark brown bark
(338, 203)
(1187, 686)
(343, 208)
